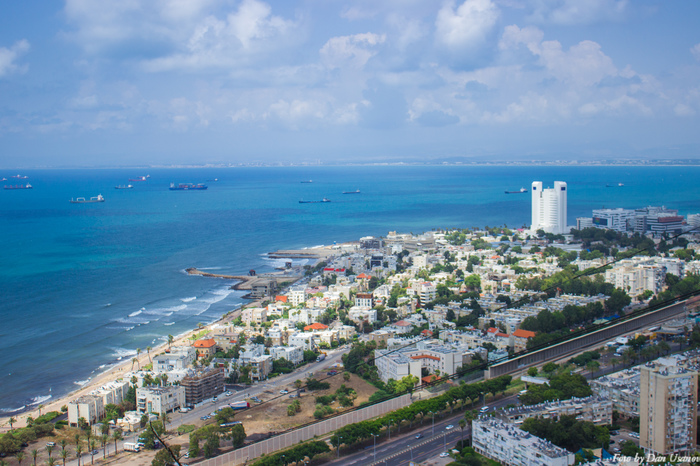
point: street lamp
(433, 415)
(338, 449)
(375, 447)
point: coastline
(118, 370)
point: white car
(444, 454)
(450, 427)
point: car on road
(212, 414)
(213, 400)
(293, 395)
(444, 454)
(450, 427)
(203, 418)
(50, 444)
(228, 393)
(284, 391)
(419, 435)
(483, 409)
(94, 452)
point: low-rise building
(254, 315)
(113, 392)
(159, 399)
(205, 348)
(593, 409)
(179, 358)
(509, 445)
(88, 407)
(293, 354)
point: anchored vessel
(520, 191)
(314, 202)
(187, 186)
(82, 200)
(352, 192)
(19, 186)
(121, 186)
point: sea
(82, 286)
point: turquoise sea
(83, 285)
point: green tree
(165, 458)
(116, 436)
(532, 372)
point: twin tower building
(549, 208)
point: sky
(171, 82)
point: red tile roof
(520, 333)
(208, 343)
(281, 298)
(315, 326)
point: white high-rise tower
(549, 208)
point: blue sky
(128, 82)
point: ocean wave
(134, 314)
(12, 410)
(122, 352)
(166, 311)
(187, 300)
(209, 268)
(37, 400)
(169, 323)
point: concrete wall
(280, 442)
(594, 338)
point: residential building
(159, 399)
(361, 314)
(668, 409)
(297, 295)
(509, 445)
(622, 388)
(89, 407)
(205, 348)
(293, 354)
(254, 315)
(179, 358)
(113, 392)
(202, 384)
(261, 366)
(363, 300)
(303, 340)
(549, 208)
(593, 409)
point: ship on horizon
(315, 202)
(352, 192)
(140, 178)
(187, 186)
(520, 191)
(20, 177)
(82, 200)
(122, 186)
(19, 186)
(618, 185)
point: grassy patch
(186, 429)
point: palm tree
(105, 437)
(462, 425)
(49, 449)
(592, 367)
(78, 453)
(40, 408)
(148, 351)
(170, 340)
(164, 419)
(614, 362)
(133, 360)
(138, 351)
(34, 453)
(92, 451)
(12, 420)
(164, 379)
(50, 462)
(63, 443)
(116, 436)
(64, 455)
(297, 384)
(664, 346)
(20, 457)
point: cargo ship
(352, 192)
(121, 186)
(82, 200)
(187, 186)
(140, 178)
(19, 186)
(520, 191)
(308, 181)
(315, 202)
(20, 177)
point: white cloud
(584, 64)
(683, 110)
(466, 27)
(695, 50)
(570, 12)
(623, 104)
(9, 56)
(350, 51)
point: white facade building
(549, 208)
(508, 444)
(89, 407)
(293, 354)
(159, 399)
(613, 219)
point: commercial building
(159, 399)
(613, 219)
(549, 208)
(202, 384)
(667, 408)
(509, 445)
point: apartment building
(622, 388)
(509, 445)
(179, 358)
(593, 409)
(89, 407)
(293, 354)
(668, 408)
(113, 392)
(158, 400)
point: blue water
(82, 285)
